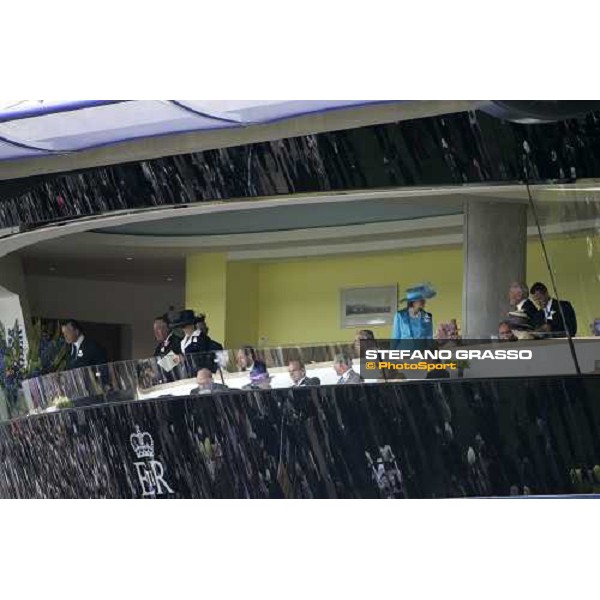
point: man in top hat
(414, 322)
(195, 346)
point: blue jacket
(407, 327)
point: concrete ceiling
(153, 249)
(299, 216)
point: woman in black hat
(195, 346)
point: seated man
(505, 333)
(364, 335)
(342, 365)
(247, 360)
(298, 376)
(206, 384)
(259, 378)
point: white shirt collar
(187, 340)
(347, 374)
(79, 341)
(520, 304)
(195, 333)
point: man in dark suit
(83, 352)
(518, 296)
(342, 365)
(202, 327)
(167, 340)
(554, 324)
(298, 376)
(206, 384)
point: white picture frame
(363, 306)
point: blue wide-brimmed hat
(422, 291)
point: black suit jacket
(171, 344)
(309, 381)
(215, 387)
(536, 316)
(203, 348)
(558, 326)
(90, 354)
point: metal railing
(149, 377)
(153, 378)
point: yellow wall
(241, 326)
(297, 301)
(205, 289)
(576, 263)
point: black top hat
(518, 319)
(183, 318)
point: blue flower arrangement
(12, 361)
(47, 348)
(46, 354)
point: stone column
(494, 254)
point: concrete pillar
(494, 254)
(14, 300)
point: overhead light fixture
(169, 279)
(129, 258)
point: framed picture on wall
(368, 305)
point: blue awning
(43, 128)
(40, 129)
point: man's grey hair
(342, 359)
(522, 286)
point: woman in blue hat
(413, 322)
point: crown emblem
(142, 443)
